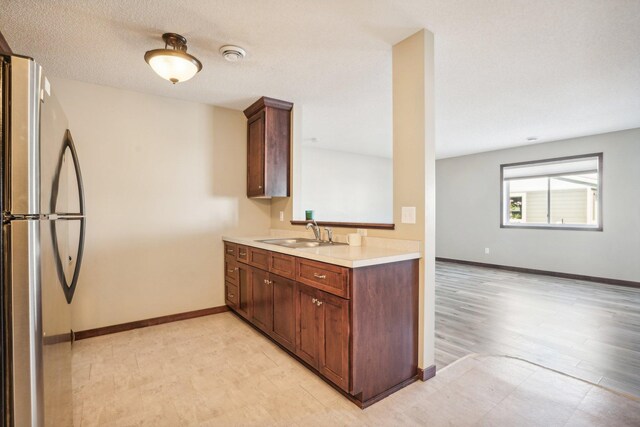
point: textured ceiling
(505, 69)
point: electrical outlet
(361, 231)
(281, 216)
(408, 215)
(486, 251)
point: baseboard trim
(605, 280)
(105, 330)
(427, 373)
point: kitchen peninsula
(350, 314)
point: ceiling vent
(232, 53)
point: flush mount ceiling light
(173, 64)
(232, 53)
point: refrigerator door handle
(54, 217)
(69, 288)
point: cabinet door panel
(244, 291)
(262, 300)
(334, 339)
(255, 155)
(284, 311)
(307, 325)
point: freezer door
(22, 273)
(41, 326)
(56, 324)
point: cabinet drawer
(326, 277)
(258, 258)
(243, 253)
(282, 265)
(230, 250)
(231, 294)
(231, 270)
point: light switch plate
(408, 214)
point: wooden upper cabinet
(268, 148)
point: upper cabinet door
(269, 148)
(255, 155)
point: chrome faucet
(316, 229)
(329, 234)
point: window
(563, 193)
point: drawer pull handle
(230, 270)
(243, 253)
(231, 296)
(229, 251)
(319, 276)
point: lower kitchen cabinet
(273, 306)
(355, 327)
(284, 311)
(307, 325)
(262, 299)
(244, 290)
(322, 334)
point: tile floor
(217, 370)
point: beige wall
(413, 170)
(164, 180)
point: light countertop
(343, 255)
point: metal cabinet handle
(319, 276)
(260, 186)
(319, 303)
(230, 270)
(243, 253)
(231, 296)
(229, 251)
(313, 300)
(268, 282)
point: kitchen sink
(300, 243)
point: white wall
(347, 187)
(468, 211)
(164, 180)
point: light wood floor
(587, 330)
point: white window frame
(505, 197)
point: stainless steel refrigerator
(43, 228)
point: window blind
(555, 168)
